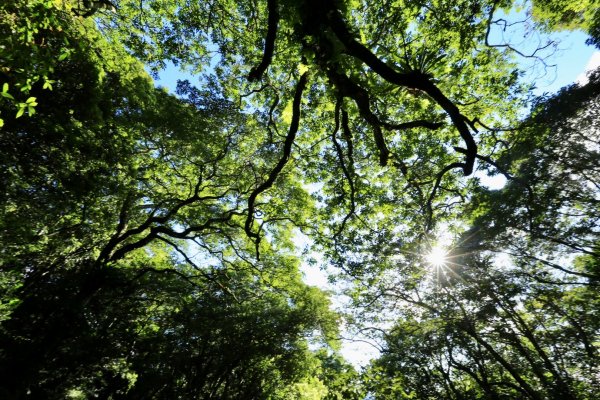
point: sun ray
(437, 256)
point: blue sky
(571, 61)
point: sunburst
(437, 257)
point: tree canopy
(150, 239)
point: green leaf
(302, 68)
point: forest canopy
(153, 243)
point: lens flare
(437, 257)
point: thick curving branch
(347, 134)
(287, 149)
(419, 123)
(257, 72)
(348, 88)
(153, 233)
(358, 50)
(346, 171)
(414, 80)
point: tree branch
(419, 123)
(348, 88)
(257, 72)
(414, 79)
(287, 149)
(347, 174)
(436, 186)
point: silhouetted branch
(436, 186)
(414, 80)
(420, 123)
(345, 170)
(508, 46)
(257, 72)
(287, 149)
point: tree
(513, 310)
(135, 243)
(160, 228)
(395, 102)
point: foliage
(103, 191)
(148, 239)
(567, 15)
(34, 33)
(513, 311)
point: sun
(437, 257)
